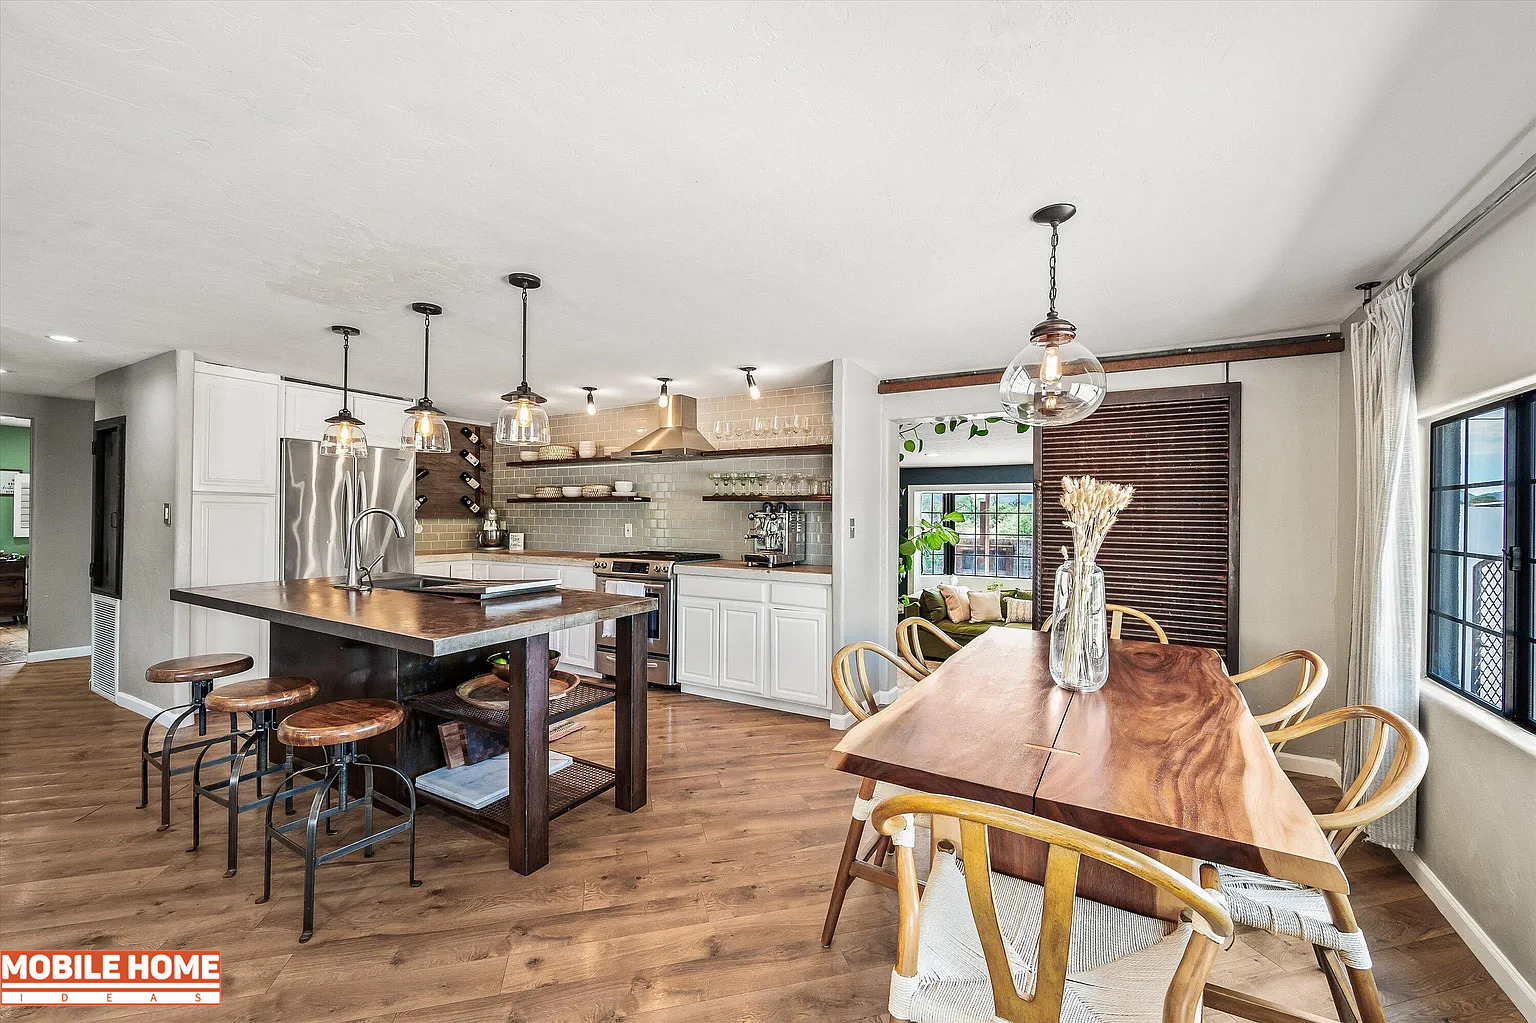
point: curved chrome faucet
(358, 577)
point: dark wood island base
(416, 649)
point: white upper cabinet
(306, 407)
(235, 431)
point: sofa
(930, 605)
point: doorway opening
(15, 535)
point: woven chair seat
(1119, 964)
(1284, 907)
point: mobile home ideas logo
(109, 978)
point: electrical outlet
(629, 530)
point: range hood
(676, 435)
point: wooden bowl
(491, 693)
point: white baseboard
(143, 708)
(64, 653)
(1518, 988)
(1317, 767)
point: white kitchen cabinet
(577, 646)
(230, 545)
(306, 407)
(755, 641)
(698, 642)
(459, 569)
(235, 431)
(743, 645)
(797, 655)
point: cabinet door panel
(797, 648)
(743, 635)
(235, 428)
(459, 569)
(503, 570)
(306, 408)
(698, 642)
(234, 540)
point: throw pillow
(931, 603)
(986, 606)
(1016, 609)
(957, 603)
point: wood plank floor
(704, 906)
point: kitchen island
(416, 648)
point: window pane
(1483, 594)
(1484, 666)
(1445, 513)
(1445, 583)
(1446, 455)
(1485, 448)
(1443, 649)
(1485, 520)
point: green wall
(15, 453)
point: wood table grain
(1165, 758)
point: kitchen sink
(475, 589)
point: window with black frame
(1481, 535)
(996, 532)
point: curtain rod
(1526, 171)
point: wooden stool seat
(261, 694)
(198, 668)
(331, 724)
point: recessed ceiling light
(64, 339)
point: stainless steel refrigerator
(321, 491)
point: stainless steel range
(648, 574)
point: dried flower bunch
(1092, 507)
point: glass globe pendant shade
(344, 437)
(522, 422)
(424, 429)
(1054, 381)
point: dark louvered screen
(1173, 553)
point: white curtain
(1384, 635)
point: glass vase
(1080, 634)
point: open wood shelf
(783, 449)
(568, 789)
(760, 498)
(627, 498)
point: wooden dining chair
(909, 635)
(1117, 613)
(977, 947)
(850, 675)
(1325, 919)
(1314, 677)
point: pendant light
(344, 437)
(752, 389)
(1055, 380)
(424, 428)
(522, 422)
(664, 398)
(591, 400)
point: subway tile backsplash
(676, 517)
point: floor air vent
(104, 646)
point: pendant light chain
(426, 356)
(525, 338)
(1054, 239)
(346, 364)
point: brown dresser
(13, 588)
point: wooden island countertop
(423, 623)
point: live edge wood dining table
(1165, 758)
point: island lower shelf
(568, 789)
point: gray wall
(1475, 332)
(156, 398)
(59, 604)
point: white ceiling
(707, 185)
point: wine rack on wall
(443, 485)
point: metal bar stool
(260, 699)
(337, 728)
(200, 671)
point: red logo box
(49, 977)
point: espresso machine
(778, 535)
